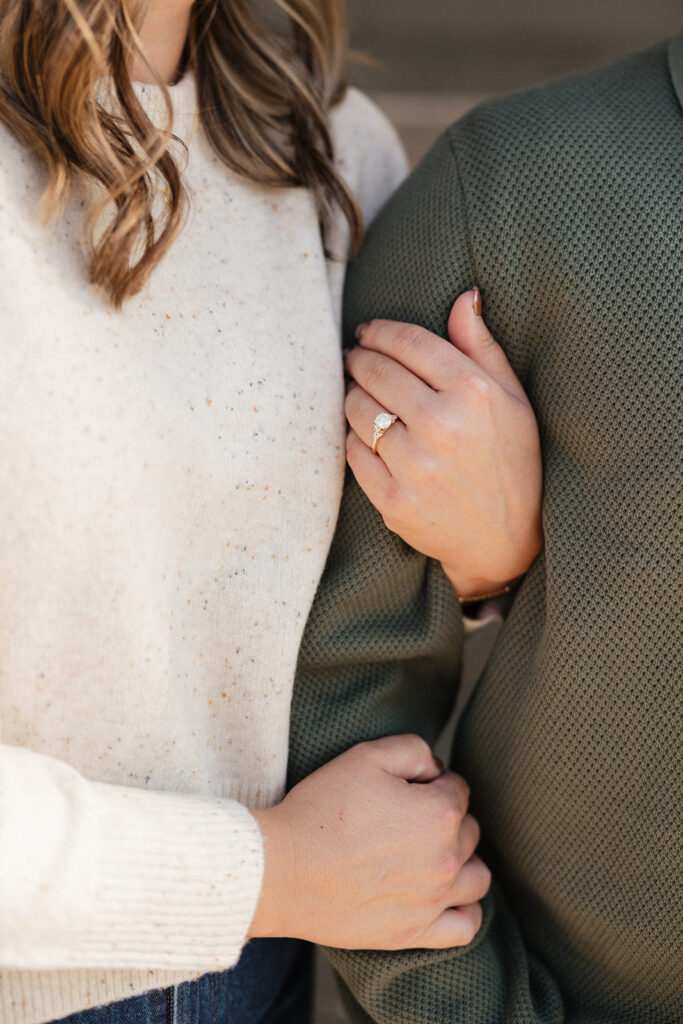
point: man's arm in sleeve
(383, 643)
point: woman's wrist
(487, 595)
(514, 566)
(471, 591)
(270, 916)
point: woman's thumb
(407, 757)
(468, 332)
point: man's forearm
(382, 646)
(380, 655)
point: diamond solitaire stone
(381, 424)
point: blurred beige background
(436, 58)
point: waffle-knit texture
(564, 204)
(170, 480)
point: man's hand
(459, 474)
(374, 850)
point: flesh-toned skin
(163, 37)
(459, 474)
(375, 849)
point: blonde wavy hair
(265, 90)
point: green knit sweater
(565, 205)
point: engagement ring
(380, 426)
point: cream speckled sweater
(170, 480)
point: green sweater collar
(676, 65)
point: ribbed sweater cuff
(172, 883)
(32, 997)
(179, 881)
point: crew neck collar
(183, 96)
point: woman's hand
(459, 474)
(374, 850)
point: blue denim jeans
(271, 984)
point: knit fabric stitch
(170, 483)
(564, 205)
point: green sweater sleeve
(382, 644)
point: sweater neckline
(183, 95)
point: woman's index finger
(432, 358)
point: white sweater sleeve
(369, 153)
(371, 160)
(106, 876)
(93, 875)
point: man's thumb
(469, 334)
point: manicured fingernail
(360, 330)
(476, 301)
